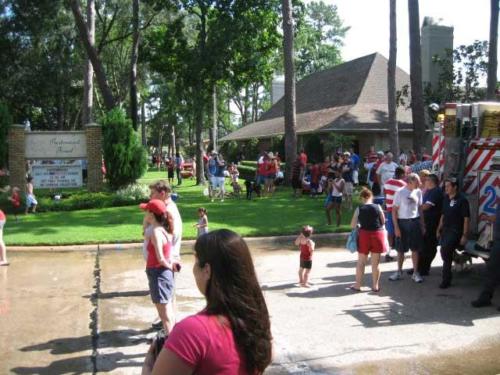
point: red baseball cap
(155, 206)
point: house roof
(349, 97)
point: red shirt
(152, 261)
(262, 168)
(16, 200)
(207, 345)
(2, 216)
(390, 188)
(324, 168)
(272, 167)
(303, 158)
(371, 157)
(374, 171)
(306, 252)
(315, 173)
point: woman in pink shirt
(232, 335)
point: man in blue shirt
(356, 161)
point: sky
(369, 21)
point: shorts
(355, 177)
(333, 199)
(307, 264)
(217, 182)
(411, 235)
(348, 188)
(371, 241)
(314, 185)
(170, 173)
(30, 200)
(296, 183)
(270, 177)
(161, 284)
(260, 180)
(389, 225)
(2, 223)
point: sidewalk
(323, 239)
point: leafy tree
(5, 123)
(319, 38)
(124, 156)
(461, 71)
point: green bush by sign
(124, 156)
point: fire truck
(466, 146)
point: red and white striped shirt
(390, 188)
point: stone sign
(55, 145)
(57, 176)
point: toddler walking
(202, 224)
(306, 246)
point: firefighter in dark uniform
(453, 227)
(493, 266)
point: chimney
(436, 40)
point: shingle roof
(348, 97)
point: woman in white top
(334, 199)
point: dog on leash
(462, 261)
(251, 188)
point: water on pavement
(79, 313)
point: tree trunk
(173, 138)
(100, 75)
(214, 118)
(134, 54)
(143, 124)
(417, 100)
(290, 135)
(492, 51)
(198, 119)
(88, 75)
(255, 101)
(391, 82)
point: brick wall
(17, 162)
(94, 157)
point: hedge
(74, 202)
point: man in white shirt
(386, 170)
(409, 225)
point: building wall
(435, 41)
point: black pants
(449, 242)
(429, 248)
(179, 176)
(492, 273)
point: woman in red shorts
(371, 221)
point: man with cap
(386, 170)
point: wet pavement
(83, 313)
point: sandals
(376, 290)
(353, 288)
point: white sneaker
(396, 276)
(417, 278)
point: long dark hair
(162, 219)
(234, 292)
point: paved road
(79, 313)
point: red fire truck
(466, 145)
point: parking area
(90, 312)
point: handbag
(352, 241)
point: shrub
(124, 156)
(138, 192)
(246, 172)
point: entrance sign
(57, 176)
(55, 145)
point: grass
(280, 215)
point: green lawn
(279, 215)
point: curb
(321, 239)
